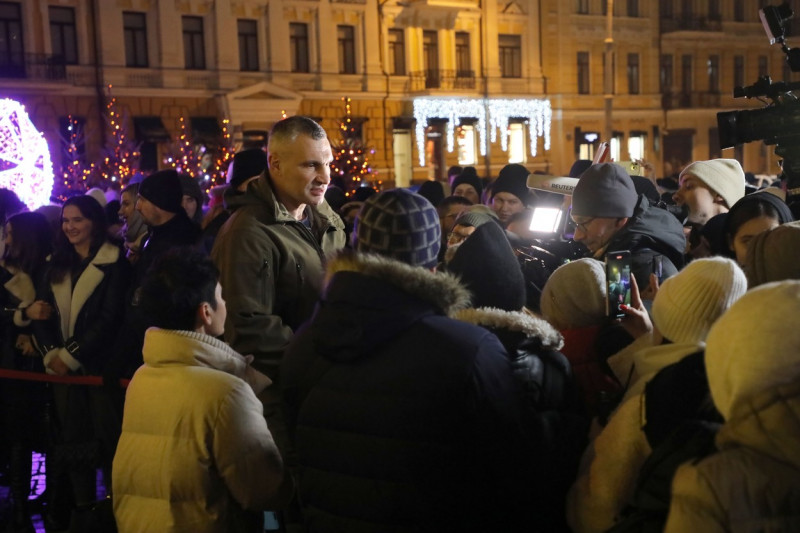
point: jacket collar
(443, 290)
(520, 321)
(166, 347)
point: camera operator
(609, 215)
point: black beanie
(604, 190)
(245, 165)
(469, 179)
(163, 189)
(488, 267)
(513, 179)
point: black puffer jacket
(651, 232)
(405, 419)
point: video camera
(779, 122)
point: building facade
(432, 83)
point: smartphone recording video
(633, 168)
(618, 282)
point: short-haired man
(204, 460)
(709, 188)
(270, 252)
(610, 216)
(406, 419)
(510, 192)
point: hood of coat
(167, 347)
(370, 299)
(651, 227)
(529, 326)
(768, 422)
(260, 194)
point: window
(686, 73)
(135, 29)
(397, 52)
(687, 9)
(583, 7)
(347, 49)
(463, 62)
(12, 62)
(738, 71)
(298, 46)
(636, 144)
(666, 9)
(466, 141)
(713, 73)
(583, 73)
(194, 50)
(738, 11)
(666, 73)
(248, 44)
(510, 56)
(633, 73)
(633, 8)
(430, 55)
(63, 36)
(516, 142)
(763, 66)
(713, 10)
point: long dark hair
(31, 241)
(65, 257)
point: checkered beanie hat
(401, 225)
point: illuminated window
(636, 143)
(516, 142)
(467, 141)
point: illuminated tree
(73, 173)
(120, 155)
(350, 168)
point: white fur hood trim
(521, 321)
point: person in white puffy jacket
(195, 452)
(753, 366)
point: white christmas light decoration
(537, 114)
(25, 165)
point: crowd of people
(383, 361)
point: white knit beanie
(723, 176)
(755, 346)
(575, 295)
(688, 303)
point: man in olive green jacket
(271, 251)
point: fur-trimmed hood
(522, 322)
(443, 290)
(369, 300)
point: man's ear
(203, 318)
(273, 162)
(621, 222)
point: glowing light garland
(25, 165)
(537, 114)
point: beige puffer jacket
(195, 451)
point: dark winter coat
(87, 317)
(271, 268)
(650, 232)
(178, 231)
(404, 419)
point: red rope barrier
(96, 381)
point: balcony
(670, 24)
(442, 79)
(33, 67)
(691, 100)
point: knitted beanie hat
(476, 216)
(772, 255)
(98, 195)
(433, 191)
(513, 179)
(245, 165)
(723, 176)
(468, 178)
(401, 225)
(163, 189)
(488, 267)
(755, 346)
(604, 190)
(688, 303)
(575, 295)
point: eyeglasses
(582, 225)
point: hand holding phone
(618, 282)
